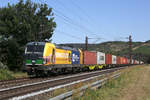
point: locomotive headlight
(33, 61)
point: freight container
(132, 61)
(126, 60)
(141, 62)
(123, 60)
(108, 59)
(137, 62)
(100, 58)
(118, 60)
(114, 59)
(89, 57)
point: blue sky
(106, 19)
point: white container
(100, 58)
(128, 61)
(132, 61)
(137, 62)
(114, 59)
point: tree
(22, 23)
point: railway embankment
(133, 84)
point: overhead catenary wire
(69, 35)
(69, 20)
(74, 12)
(68, 23)
(82, 10)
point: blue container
(75, 57)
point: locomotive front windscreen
(34, 48)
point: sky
(100, 20)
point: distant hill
(140, 50)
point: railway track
(13, 80)
(18, 82)
(5, 83)
(7, 93)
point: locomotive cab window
(34, 48)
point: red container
(126, 61)
(108, 59)
(118, 60)
(134, 61)
(122, 60)
(89, 58)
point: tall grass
(5, 74)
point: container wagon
(90, 59)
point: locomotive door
(53, 56)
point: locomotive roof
(36, 43)
(66, 48)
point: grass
(133, 84)
(5, 74)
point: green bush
(6, 74)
